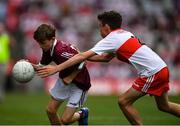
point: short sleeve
(106, 45)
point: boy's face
(46, 45)
(104, 29)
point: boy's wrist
(56, 69)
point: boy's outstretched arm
(105, 57)
(52, 69)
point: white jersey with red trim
(127, 48)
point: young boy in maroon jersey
(72, 84)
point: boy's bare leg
(126, 101)
(69, 115)
(165, 105)
(52, 111)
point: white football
(23, 71)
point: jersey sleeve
(106, 45)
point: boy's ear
(107, 27)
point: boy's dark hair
(112, 18)
(44, 32)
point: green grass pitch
(29, 109)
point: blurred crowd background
(154, 22)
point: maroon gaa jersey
(59, 53)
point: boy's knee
(50, 110)
(65, 120)
(163, 108)
(122, 101)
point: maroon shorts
(156, 84)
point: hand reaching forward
(46, 70)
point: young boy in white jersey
(153, 72)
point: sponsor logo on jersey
(67, 55)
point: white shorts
(74, 95)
